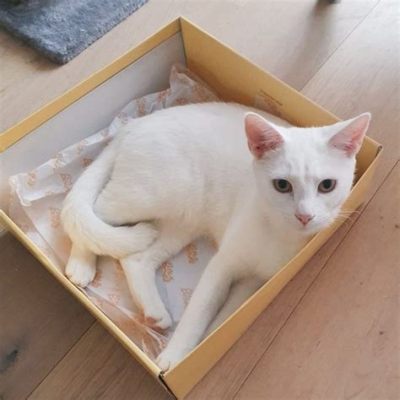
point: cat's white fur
(206, 169)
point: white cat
(255, 184)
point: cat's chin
(306, 232)
(309, 230)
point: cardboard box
(92, 104)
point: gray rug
(61, 29)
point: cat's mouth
(312, 227)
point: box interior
(36, 201)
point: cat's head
(305, 174)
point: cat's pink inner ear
(261, 136)
(349, 139)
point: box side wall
(91, 112)
(237, 79)
(186, 374)
(15, 133)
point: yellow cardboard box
(91, 105)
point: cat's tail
(86, 229)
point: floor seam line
(61, 359)
(339, 45)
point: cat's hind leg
(81, 266)
(140, 271)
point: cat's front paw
(80, 274)
(169, 358)
(158, 319)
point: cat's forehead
(306, 154)
(302, 164)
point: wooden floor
(334, 332)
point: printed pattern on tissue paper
(37, 200)
(186, 295)
(81, 146)
(31, 178)
(191, 253)
(86, 162)
(58, 161)
(67, 181)
(114, 298)
(167, 271)
(54, 217)
(96, 283)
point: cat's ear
(350, 137)
(261, 135)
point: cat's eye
(282, 185)
(327, 185)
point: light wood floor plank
(290, 38)
(99, 368)
(39, 321)
(342, 342)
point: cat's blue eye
(282, 185)
(327, 185)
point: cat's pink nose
(304, 218)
